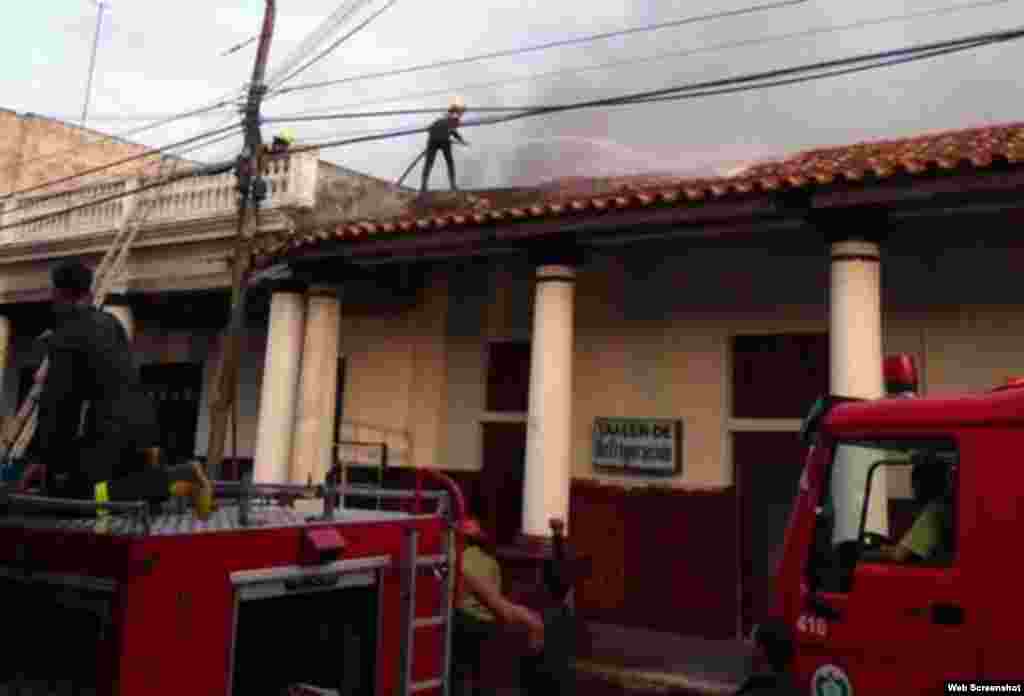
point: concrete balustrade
(291, 182)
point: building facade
(635, 360)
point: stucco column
(120, 307)
(315, 421)
(856, 368)
(549, 426)
(280, 386)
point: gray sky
(160, 58)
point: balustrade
(291, 182)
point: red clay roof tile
(974, 147)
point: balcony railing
(292, 182)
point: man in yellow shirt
(474, 624)
(930, 537)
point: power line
(336, 19)
(127, 134)
(238, 47)
(545, 46)
(125, 160)
(744, 43)
(883, 58)
(770, 78)
(298, 118)
(327, 51)
(727, 85)
(196, 171)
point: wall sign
(638, 445)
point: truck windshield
(867, 479)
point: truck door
(877, 618)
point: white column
(313, 446)
(549, 426)
(279, 391)
(124, 314)
(856, 369)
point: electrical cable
(313, 39)
(125, 160)
(720, 86)
(121, 136)
(327, 51)
(398, 112)
(744, 43)
(700, 89)
(195, 172)
(667, 94)
(540, 47)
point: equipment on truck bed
(259, 599)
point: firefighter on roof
(442, 132)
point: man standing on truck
(90, 362)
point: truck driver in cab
(930, 537)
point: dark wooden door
(767, 469)
(501, 480)
(176, 388)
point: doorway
(175, 388)
(501, 480)
(767, 467)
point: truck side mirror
(819, 409)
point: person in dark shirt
(439, 137)
(90, 362)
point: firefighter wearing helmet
(440, 136)
(282, 141)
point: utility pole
(102, 5)
(252, 189)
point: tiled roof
(861, 162)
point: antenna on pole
(101, 5)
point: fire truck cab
(882, 599)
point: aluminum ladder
(442, 565)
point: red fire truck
(284, 590)
(866, 615)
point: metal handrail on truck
(275, 507)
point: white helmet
(457, 105)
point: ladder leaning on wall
(17, 433)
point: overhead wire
(744, 43)
(231, 130)
(116, 163)
(882, 58)
(345, 37)
(540, 47)
(701, 89)
(117, 136)
(166, 181)
(313, 39)
(769, 78)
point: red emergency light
(900, 374)
(1011, 383)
